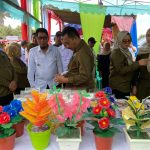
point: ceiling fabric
(125, 9)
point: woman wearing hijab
(143, 74)
(104, 64)
(122, 66)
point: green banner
(36, 8)
(92, 23)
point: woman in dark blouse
(104, 63)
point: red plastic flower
(111, 112)
(1, 108)
(100, 94)
(96, 110)
(104, 123)
(4, 118)
(104, 102)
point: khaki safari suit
(7, 74)
(80, 68)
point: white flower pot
(137, 144)
(69, 143)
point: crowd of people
(70, 62)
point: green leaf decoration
(103, 133)
(6, 126)
(115, 107)
(117, 121)
(54, 88)
(66, 132)
(51, 91)
(16, 119)
(7, 133)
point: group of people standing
(121, 72)
(45, 68)
(70, 61)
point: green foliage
(6, 130)
(67, 132)
(8, 30)
(133, 135)
(16, 119)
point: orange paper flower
(36, 110)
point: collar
(82, 42)
(49, 49)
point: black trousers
(120, 95)
(5, 100)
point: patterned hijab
(145, 50)
(120, 36)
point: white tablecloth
(88, 143)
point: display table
(88, 143)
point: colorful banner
(92, 24)
(36, 8)
(133, 33)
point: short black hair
(92, 40)
(33, 34)
(71, 32)
(41, 30)
(24, 42)
(58, 34)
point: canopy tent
(127, 7)
(80, 13)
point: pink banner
(124, 23)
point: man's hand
(60, 79)
(143, 62)
(13, 86)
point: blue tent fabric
(133, 33)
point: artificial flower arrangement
(14, 109)
(5, 124)
(68, 113)
(37, 111)
(9, 116)
(136, 117)
(102, 114)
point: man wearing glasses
(44, 62)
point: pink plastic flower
(85, 104)
(60, 118)
(79, 116)
(75, 99)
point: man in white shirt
(44, 62)
(66, 55)
(23, 50)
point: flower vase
(70, 143)
(138, 144)
(19, 128)
(7, 143)
(103, 143)
(40, 140)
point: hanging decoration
(92, 21)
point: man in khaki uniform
(7, 80)
(79, 75)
